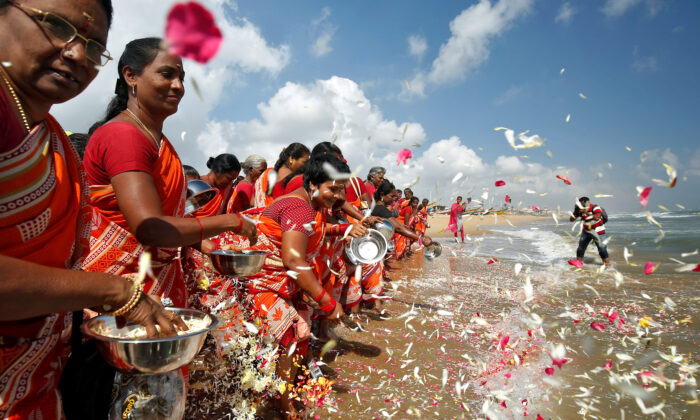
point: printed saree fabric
(273, 294)
(44, 219)
(262, 186)
(114, 249)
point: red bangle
(318, 298)
(201, 229)
(328, 307)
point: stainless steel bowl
(368, 249)
(199, 193)
(385, 228)
(432, 251)
(239, 264)
(148, 355)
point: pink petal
(403, 155)
(673, 183)
(192, 33)
(566, 180)
(576, 263)
(649, 267)
(539, 417)
(696, 269)
(549, 371)
(507, 198)
(500, 183)
(608, 365)
(644, 196)
(558, 362)
(504, 341)
(503, 404)
(507, 375)
(491, 261)
(598, 326)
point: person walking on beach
(455, 224)
(593, 228)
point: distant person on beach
(593, 228)
(455, 224)
(375, 177)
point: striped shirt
(590, 224)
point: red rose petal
(500, 183)
(192, 33)
(644, 196)
(403, 155)
(598, 326)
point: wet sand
(476, 225)
(442, 352)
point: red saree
(262, 186)
(274, 295)
(45, 219)
(114, 250)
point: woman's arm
(139, 202)
(29, 290)
(293, 249)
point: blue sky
(310, 71)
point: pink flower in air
(566, 180)
(192, 33)
(649, 267)
(644, 196)
(504, 341)
(507, 198)
(598, 326)
(500, 183)
(403, 155)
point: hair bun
(210, 162)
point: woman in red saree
(375, 177)
(44, 205)
(291, 231)
(455, 224)
(243, 197)
(290, 159)
(422, 224)
(223, 170)
(137, 181)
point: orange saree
(114, 250)
(262, 186)
(274, 295)
(45, 219)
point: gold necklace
(23, 114)
(142, 125)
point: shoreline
(477, 225)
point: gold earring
(133, 90)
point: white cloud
(616, 8)
(417, 46)
(508, 95)
(244, 50)
(323, 32)
(566, 12)
(468, 46)
(645, 64)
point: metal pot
(432, 251)
(368, 249)
(241, 264)
(147, 355)
(199, 193)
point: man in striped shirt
(593, 228)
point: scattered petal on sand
(644, 197)
(650, 267)
(598, 326)
(492, 260)
(576, 263)
(500, 183)
(504, 342)
(403, 155)
(192, 33)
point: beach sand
(476, 225)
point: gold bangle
(129, 305)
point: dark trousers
(586, 239)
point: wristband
(320, 296)
(201, 229)
(328, 307)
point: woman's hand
(247, 228)
(427, 240)
(149, 312)
(336, 315)
(207, 246)
(357, 231)
(370, 221)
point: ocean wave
(549, 245)
(656, 214)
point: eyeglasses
(64, 31)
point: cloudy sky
(437, 78)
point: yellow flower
(644, 322)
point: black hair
(191, 172)
(414, 198)
(224, 163)
(582, 199)
(407, 190)
(294, 151)
(79, 141)
(316, 174)
(137, 55)
(385, 188)
(458, 197)
(326, 148)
